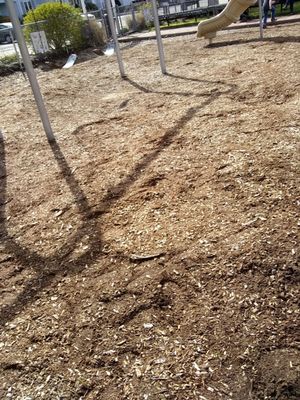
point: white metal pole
(115, 15)
(29, 69)
(114, 35)
(158, 39)
(261, 30)
(83, 7)
(16, 51)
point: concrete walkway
(192, 30)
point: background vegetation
(63, 26)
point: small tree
(63, 25)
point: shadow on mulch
(50, 269)
(277, 39)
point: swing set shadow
(49, 270)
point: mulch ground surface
(152, 252)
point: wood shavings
(152, 252)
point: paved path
(191, 30)
(7, 49)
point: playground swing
(206, 28)
(31, 73)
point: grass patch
(9, 59)
(9, 64)
(254, 11)
(253, 14)
(183, 23)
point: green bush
(63, 26)
(9, 59)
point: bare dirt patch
(152, 251)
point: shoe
(264, 26)
(273, 20)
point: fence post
(116, 18)
(134, 24)
(119, 18)
(17, 53)
(260, 20)
(104, 21)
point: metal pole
(114, 35)
(83, 7)
(30, 71)
(104, 22)
(158, 39)
(16, 51)
(116, 18)
(119, 18)
(115, 15)
(261, 30)
(134, 24)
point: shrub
(97, 33)
(147, 11)
(9, 59)
(9, 64)
(63, 26)
(140, 22)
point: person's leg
(273, 10)
(265, 17)
(292, 6)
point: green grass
(10, 59)
(254, 11)
(253, 14)
(181, 23)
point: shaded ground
(152, 252)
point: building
(22, 6)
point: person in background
(268, 5)
(291, 4)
